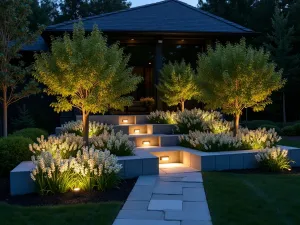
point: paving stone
(144, 222)
(141, 193)
(193, 178)
(166, 197)
(193, 222)
(136, 205)
(180, 170)
(140, 215)
(167, 188)
(146, 180)
(194, 194)
(165, 205)
(170, 179)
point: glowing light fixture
(132, 39)
(164, 158)
(182, 40)
(137, 131)
(76, 189)
(146, 142)
(150, 63)
(125, 121)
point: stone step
(145, 128)
(117, 119)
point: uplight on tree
(86, 73)
(233, 77)
(177, 83)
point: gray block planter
(143, 163)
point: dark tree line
(48, 12)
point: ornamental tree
(86, 73)
(233, 77)
(14, 34)
(177, 83)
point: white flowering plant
(210, 142)
(161, 117)
(197, 119)
(117, 143)
(88, 170)
(273, 159)
(260, 138)
(64, 145)
(95, 128)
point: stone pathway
(175, 197)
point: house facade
(154, 34)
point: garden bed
(118, 194)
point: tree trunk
(4, 113)
(236, 124)
(182, 106)
(283, 108)
(85, 121)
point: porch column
(157, 67)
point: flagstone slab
(141, 193)
(144, 222)
(194, 194)
(167, 188)
(198, 222)
(136, 205)
(140, 215)
(166, 197)
(165, 205)
(146, 180)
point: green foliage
(273, 160)
(13, 150)
(254, 124)
(14, 34)
(270, 126)
(32, 133)
(161, 117)
(148, 101)
(96, 74)
(24, 119)
(234, 77)
(177, 83)
(293, 130)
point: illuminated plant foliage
(233, 77)
(177, 83)
(87, 73)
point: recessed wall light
(125, 121)
(164, 158)
(137, 131)
(132, 39)
(146, 142)
(76, 189)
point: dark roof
(166, 16)
(38, 45)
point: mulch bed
(119, 194)
(295, 170)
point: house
(156, 33)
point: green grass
(87, 214)
(253, 199)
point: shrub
(289, 131)
(95, 128)
(13, 150)
(161, 117)
(117, 143)
(197, 119)
(148, 101)
(273, 159)
(32, 133)
(90, 169)
(255, 124)
(209, 142)
(64, 146)
(270, 126)
(258, 139)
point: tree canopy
(177, 83)
(234, 77)
(84, 72)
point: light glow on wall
(164, 158)
(137, 131)
(146, 142)
(125, 121)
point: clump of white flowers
(64, 145)
(210, 142)
(245, 139)
(89, 169)
(161, 117)
(117, 143)
(197, 119)
(273, 159)
(258, 139)
(95, 128)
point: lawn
(102, 213)
(290, 142)
(253, 199)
